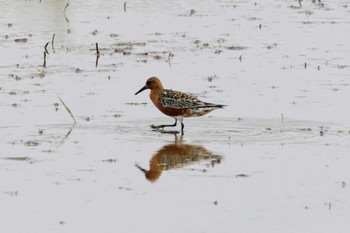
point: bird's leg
(162, 126)
(182, 128)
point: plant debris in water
(31, 143)
(68, 110)
(18, 158)
(134, 103)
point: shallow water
(274, 160)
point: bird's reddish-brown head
(152, 83)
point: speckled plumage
(175, 103)
(180, 100)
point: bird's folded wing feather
(179, 100)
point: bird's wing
(179, 100)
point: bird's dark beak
(142, 89)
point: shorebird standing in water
(176, 104)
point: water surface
(274, 160)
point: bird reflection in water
(177, 155)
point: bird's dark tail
(220, 105)
(210, 105)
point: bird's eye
(148, 83)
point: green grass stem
(68, 110)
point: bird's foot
(169, 131)
(160, 128)
(157, 126)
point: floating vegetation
(117, 115)
(21, 40)
(342, 66)
(77, 70)
(192, 12)
(212, 77)
(242, 176)
(109, 160)
(23, 158)
(12, 193)
(41, 73)
(157, 57)
(130, 44)
(31, 143)
(135, 104)
(271, 46)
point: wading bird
(176, 104)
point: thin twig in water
(97, 51)
(67, 5)
(44, 65)
(97, 55)
(46, 47)
(68, 110)
(64, 11)
(52, 42)
(96, 63)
